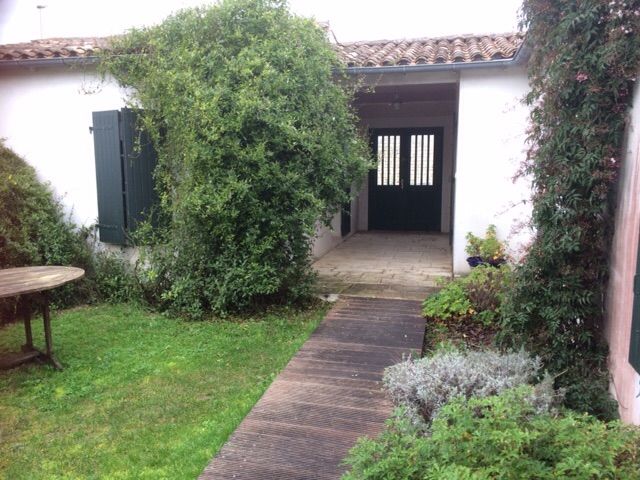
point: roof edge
(464, 36)
(27, 63)
(520, 58)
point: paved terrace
(327, 397)
(386, 265)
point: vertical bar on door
(432, 157)
(396, 161)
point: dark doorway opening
(405, 190)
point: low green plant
(501, 437)
(489, 248)
(477, 296)
(451, 302)
(486, 287)
(114, 279)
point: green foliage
(35, 231)
(500, 437)
(487, 247)
(114, 281)
(582, 70)
(477, 296)
(256, 143)
(423, 386)
(33, 227)
(450, 303)
(142, 396)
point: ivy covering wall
(256, 143)
(584, 63)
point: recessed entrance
(405, 190)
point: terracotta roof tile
(379, 53)
(428, 51)
(53, 48)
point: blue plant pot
(474, 261)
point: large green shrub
(500, 437)
(34, 230)
(256, 143)
(584, 63)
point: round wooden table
(32, 284)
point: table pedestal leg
(25, 313)
(46, 317)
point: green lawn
(141, 396)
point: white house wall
(46, 115)
(328, 237)
(492, 122)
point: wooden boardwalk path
(328, 395)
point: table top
(22, 280)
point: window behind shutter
(109, 178)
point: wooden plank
(11, 360)
(327, 397)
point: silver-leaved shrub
(421, 387)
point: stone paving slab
(404, 265)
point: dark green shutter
(139, 164)
(125, 161)
(634, 348)
(106, 141)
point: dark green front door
(405, 190)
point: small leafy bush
(451, 302)
(504, 437)
(114, 280)
(486, 287)
(488, 248)
(423, 386)
(478, 295)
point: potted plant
(487, 250)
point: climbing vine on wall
(585, 57)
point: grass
(141, 396)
